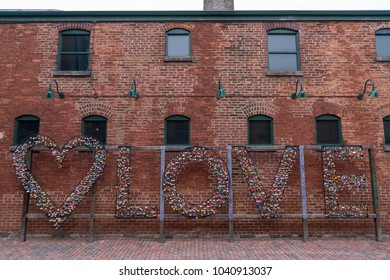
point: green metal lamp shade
(221, 92)
(373, 93)
(50, 93)
(133, 92)
(301, 94)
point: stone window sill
(386, 148)
(382, 58)
(72, 73)
(284, 73)
(178, 59)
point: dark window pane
(75, 43)
(328, 132)
(97, 129)
(26, 129)
(260, 132)
(178, 45)
(72, 62)
(283, 62)
(282, 43)
(387, 131)
(177, 133)
(382, 45)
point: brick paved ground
(199, 249)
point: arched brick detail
(96, 108)
(20, 111)
(383, 110)
(282, 25)
(177, 25)
(327, 108)
(260, 108)
(378, 25)
(162, 108)
(167, 26)
(373, 28)
(169, 108)
(75, 25)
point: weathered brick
(337, 57)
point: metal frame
(231, 213)
(303, 193)
(231, 216)
(162, 209)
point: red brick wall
(336, 59)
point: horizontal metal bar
(319, 147)
(212, 217)
(180, 148)
(291, 216)
(74, 216)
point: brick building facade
(335, 54)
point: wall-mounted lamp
(301, 94)
(50, 93)
(221, 92)
(373, 93)
(133, 91)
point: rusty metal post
(26, 203)
(303, 193)
(162, 216)
(230, 169)
(375, 199)
(92, 214)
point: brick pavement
(197, 249)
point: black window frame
(17, 127)
(386, 120)
(329, 117)
(73, 32)
(177, 118)
(95, 118)
(262, 118)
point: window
(95, 126)
(260, 130)
(178, 43)
(283, 51)
(386, 126)
(382, 40)
(328, 130)
(73, 53)
(177, 130)
(25, 126)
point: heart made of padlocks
(58, 215)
